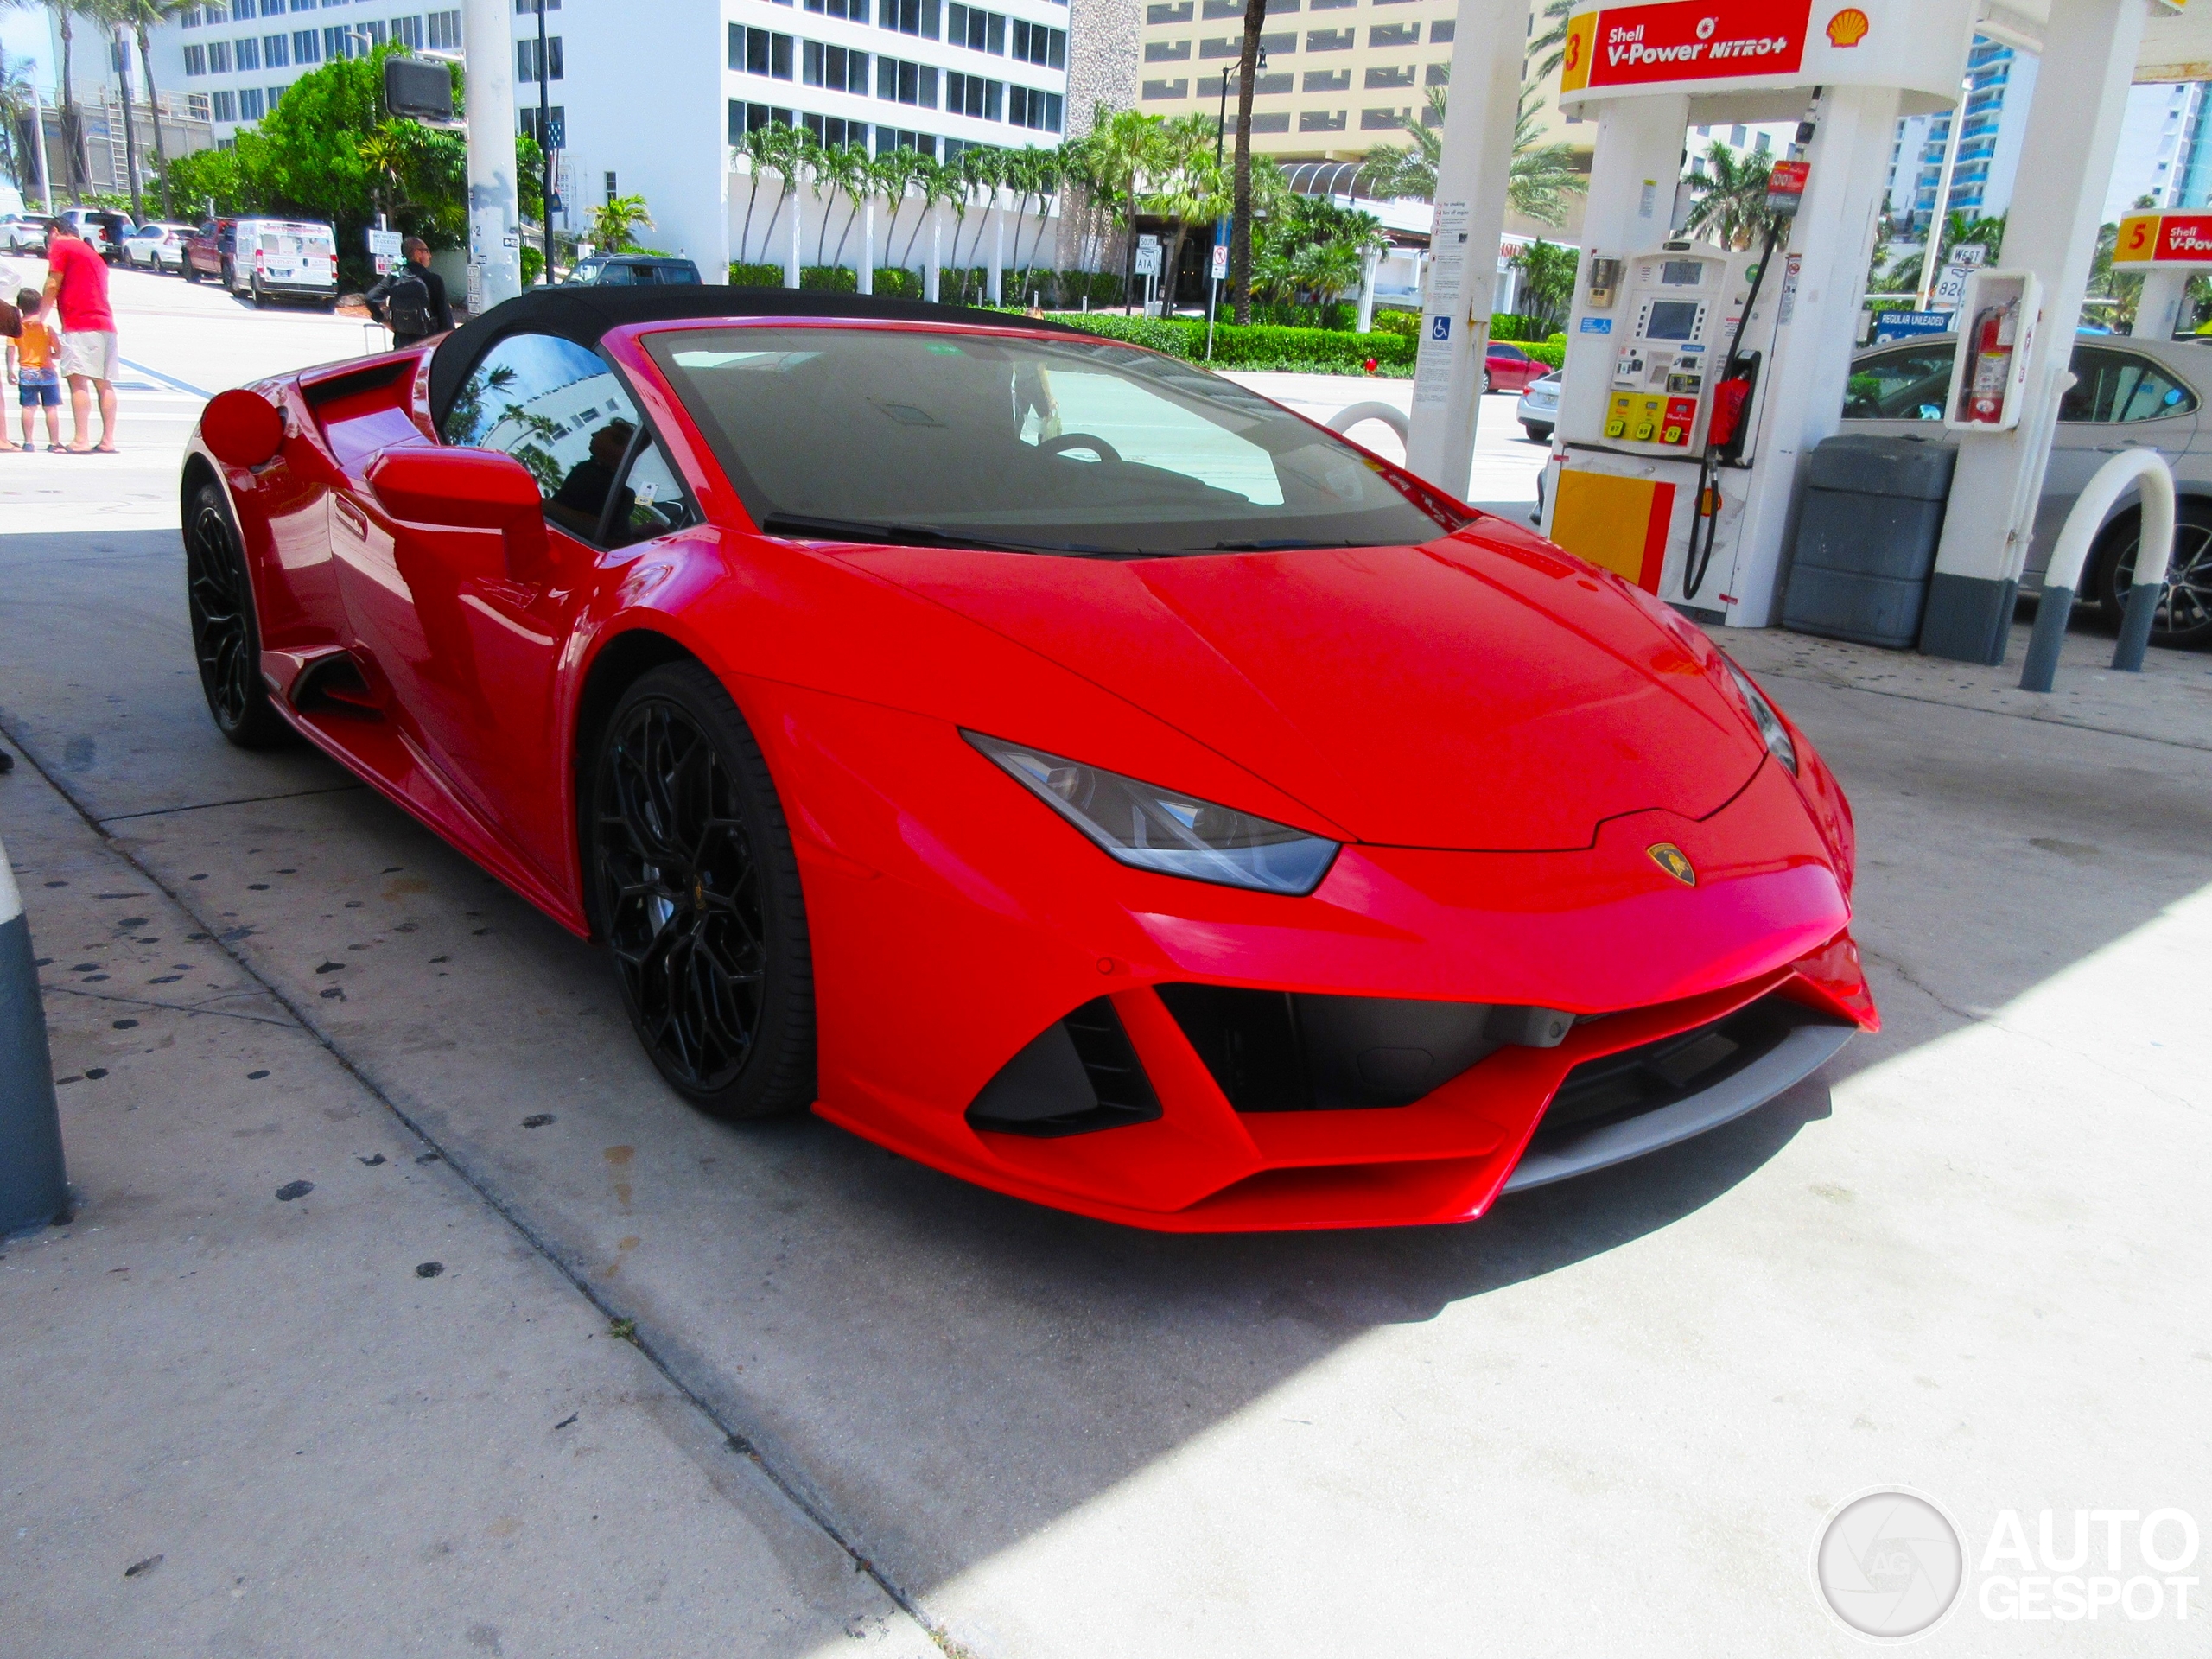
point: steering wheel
(1078, 440)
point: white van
(273, 257)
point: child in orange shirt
(31, 371)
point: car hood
(1485, 691)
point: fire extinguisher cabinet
(1867, 536)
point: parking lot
(534, 1359)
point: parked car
(103, 231)
(1539, 407)
(1508, 368)
(2127, 394)
(632, 270)
(24, 232)
(207, 250)
(276, 258)
(157, 247)
(703, 620)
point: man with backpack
(410, 301)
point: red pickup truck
(207, 250)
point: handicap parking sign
(1440, 329)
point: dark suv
(633, 270)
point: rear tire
(695, 889)
(191, 272)
(2184, 618)
(226, 633)
(1537, 434)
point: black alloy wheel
(225, 636)
(2184, 614)
(696, 891)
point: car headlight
(1772, 730)
(1155, 829)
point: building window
(831, 131)
(1265, 84)
(218, 57)
(445, 31)
(974, 97)
(196, 106)
(1034, 43)
(189, 18)
(1333, 5)
(1028, 107)
(853, 12)
(1443, 31)
(195, 60)
(226, 107)
(336, 42)
(1326, 80)
(1321, 121)
(1167, 51)
(836, 67)
(1383, 78)
(890, 138)
(979, 31)
(1177, 12)
(378, 31)
(1222, 46)
(1157, 91)
(407, 31)
(1279, 122)
(905, 83)
(276, 97)
(306, 46)
(743, 118)
(275, 51)
(249, 54)
(527, 67)
(532, 8)
(557, 115)
(1394, 35)
(1438, 75)
(216, 12)
(1382, 120)
(1332, 40)
(909, 17)
(759, 51)
(303, 5)
(250, 104)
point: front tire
(226, 634)
(2184, 614)
(695, 889)
(191, 272)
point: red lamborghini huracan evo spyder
(1036, 754)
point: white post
(867, 243)
(799, 217)
(1486, 66)
(2066, 161)
(38, 140)
(1931, 252)
(495, 231)
(996, 288)
(2158, 313)
(936, 256)
(1366, 319)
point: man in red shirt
(76, 286)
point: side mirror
(243, 427)
(468, 489)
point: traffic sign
(1147, 257)
(1951, 286)
(1220, 261)
(383, 244)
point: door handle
(350, 515)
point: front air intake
(1078, 1076)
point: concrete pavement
(1967, 1256)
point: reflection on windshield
(1074, 444)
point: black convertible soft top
(585, 312)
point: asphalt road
(869, 1402)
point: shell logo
(1847, 27)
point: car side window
(650, 502)
(1512, 353)
(2115, 386)
(1908, 385)
(558, 409)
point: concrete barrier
(34, 1189)
(2061, 578)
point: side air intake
(1078, 1076)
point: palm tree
(1047, 172)
(1240, 233)
(755, 148)
(783, 152)
(613, 224)
(1189, 188)
(842, 168)
(1731, 197)
(73, 148)
(15, 115)
(1552, 42)
(939, 182)
(385, 156)
(893, 174)
(1122, 151)
(140, 17)
(1537, 185)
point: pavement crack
(1927, 990)
(735, 1435)
(242, 800)
(206, 1007)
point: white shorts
(95, 355)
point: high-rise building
(2161, 144)
(1341, 75)
(2001, 82)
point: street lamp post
(1220, 134)
(544, 145)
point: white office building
(650, 96)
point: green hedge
(1552, 353)
(1260, 346)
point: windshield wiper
(860, 530)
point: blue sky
(29, 34)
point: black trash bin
(1866, 538)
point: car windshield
(1053, 445)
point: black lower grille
(1294, 1052)
(1078, 1076)
(1669, 1069)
